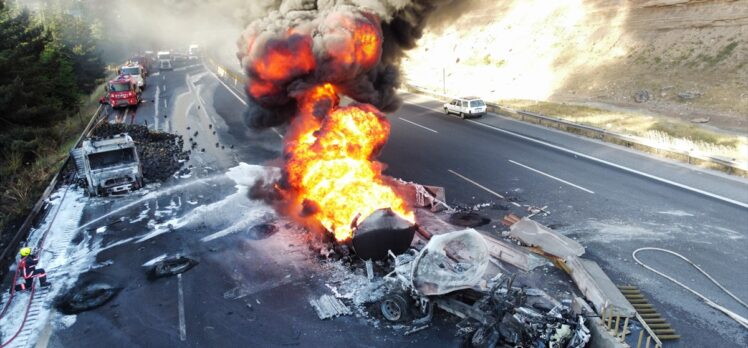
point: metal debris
(327, 306)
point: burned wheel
(395, 308)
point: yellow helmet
(25, 252)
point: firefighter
(28, 271)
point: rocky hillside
(680, 58)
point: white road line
(416, 124)
(182, 325)
(552, 177)
(231, 90)
(227, 87)
(155, 109)
(611, 164)
(277, 132)
(481, 186)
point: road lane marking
(228, 88)
(182, 325)
(552, 177)
(604, 162)
(481, 186)
(231, 90)
(155, 108)
(618, 166)
(277, 132)
(416, 124)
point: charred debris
(415, 276)
(160, 153)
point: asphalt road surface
(250, 292)
(611, 199)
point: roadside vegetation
(657, 130)
(50, 67)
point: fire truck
(123, 91)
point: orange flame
(330, 151)
(282, 60)
(362, 43)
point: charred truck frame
(109, 165)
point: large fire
(330, 162)
(330, 171)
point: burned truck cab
(109, 165)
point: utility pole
(444, 81)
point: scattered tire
(171, 267)
(468, 219)
(395, 308)
(262, 231)
(86, 297)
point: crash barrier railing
(225, 72)
(691, 157)
(8, 254)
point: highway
(610, 199)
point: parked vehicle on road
(110, 165)
(466, 107)
(164, 60)
(193, 52)
(136, 72)
(123, 92)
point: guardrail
(732, 167)
(226, 72)
(8, 254)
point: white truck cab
(135, 71)
(466, 107)
(193, 52)
(109, 165)
(164, 60)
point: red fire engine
(123, 91)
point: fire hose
(739, 319)
(40, 248)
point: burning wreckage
(412, 273)
(299, 62)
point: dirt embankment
(678, 58)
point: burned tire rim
(468, 219)
(391, 310)
(394, 308)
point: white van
(466, 107)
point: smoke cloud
(309, 36)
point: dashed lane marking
(231, 90)
(607, 163)
(182, 324)
(277, 132)
(481, 186)
(418, 125)
(552, 177)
